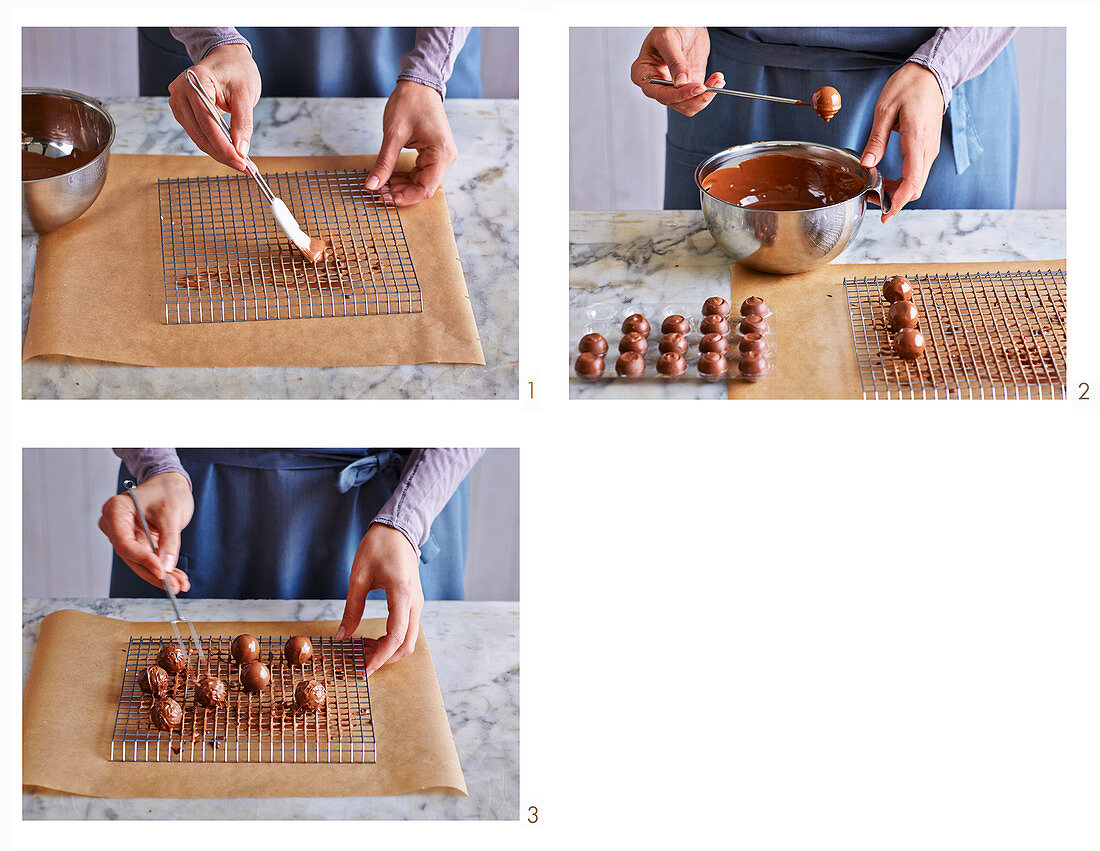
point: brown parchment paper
(816, 356)
(99, 287)
(72, 693)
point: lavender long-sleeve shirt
(957, 54)
(428, 481)
(430, 62)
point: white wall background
(103, 61)
(616, 134)
(65, 554)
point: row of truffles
(903, 318)
(715, 327)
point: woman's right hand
(168, 505)
(679, 54)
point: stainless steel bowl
(55, 122)
(787, 241)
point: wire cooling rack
(988, 335)
(225, 259)
(261, 727)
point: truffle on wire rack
(897, 288)
(908, 344)
(154, 680)
(172, 658)
(298, 649)
(166, 714)
(245, 648)
(255, 676)
(310, 695)
(902, 314)
(211, 691)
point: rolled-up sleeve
(201, 40)
(957, 54)
(432, 59)
(143, 464)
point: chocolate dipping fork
(129, 484)
(311, 248)
(753, 95)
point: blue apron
(313, 61)
(976, 166)
(285, 524)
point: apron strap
(362, 470)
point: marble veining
(475, 648)
(482, 196)
(668, 257)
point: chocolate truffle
(753, 324)
(298, 649)
(714, 324)
(166, 714)
(675, 324)
(671, 365)
(595, 343)
(255, 676)
(714, 342)
(673, 342)
(245, 648)
(154, 680)
(716, 306)
(211, 691)
(902, 314)
(909, 344)
(752, 365)
(589, 366)
(753, 343)
(754, 304)
(310, 695)
(172, 658)
(826, 102)
(634, 341)
(636, 322)
(630, 365)
(713, 365)
(897, 288)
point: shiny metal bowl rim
(87, 100)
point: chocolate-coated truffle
(589, 366)
(595, 343)
(909, 344)
(673, 342)
(713, 365)
(166, 714)
(211, 691)
(298, 649)
(671, 365)
(245, 648)
(636, 322)
(154, 680)
(754, 323)
(172, 658)
(754, 304)
(630, 365)
(826, 102)
(716, 306)
(897, 288)
(753, 343)
(310, 695)
(675, 324)
(752, 365)
(255, 676)
(634, 341)
(902, 314)
(714, 342)
(714, 324)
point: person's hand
(414, 118)
(385, 559)
(168, 505)
(678, 54)
(911, 104)
(231, 79)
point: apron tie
(362, 470)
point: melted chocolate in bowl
(37, 166)
(782, 182)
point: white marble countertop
(482, 195)
(659, 257)
(475, 647)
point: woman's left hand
(385, 560)
(912, 104)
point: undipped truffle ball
(754, 304)
(908, 344)
(716, 306)
(172, 658)
(671, 365)
(630, 365)
(675, 324)
(713, 365)
(255, 676)
(673, 342)
(897, 288)
(310, 695)
(636, 322)
(166, 714)
(714, 342)
(595, 343)
(298, 649)
(902, 314)
(211, 691)
(154, 680)
(589, 366)
(714, 324)
(752, 365)
(634, 341)
(245, 648)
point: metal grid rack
(225, 259)
(259, 727)
(988, 335)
